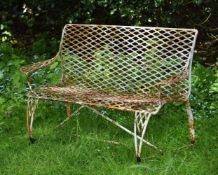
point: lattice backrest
(126, 59)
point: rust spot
(68, 108)
(191, 130)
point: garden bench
(137, 69)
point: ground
(80, 147)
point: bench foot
(192, 142)
(191, 123)
(32, 140)
(138, 159)
(31, 107)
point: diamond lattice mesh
(128, 60)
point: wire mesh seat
(94, 98)
(136, 69)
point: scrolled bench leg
(31, 107)
(191, 122)
(140, 125)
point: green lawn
(79, 147)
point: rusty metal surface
(27, 70)
(97, 98)
(190, 122)
(68, 108)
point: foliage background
(24, 21)
(30, 32)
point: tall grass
(80, 147)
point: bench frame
(141, 117)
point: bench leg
(140, 125)
(69, 114)
(191, 122)
(31, 107)
(68, 108)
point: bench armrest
(27, 70)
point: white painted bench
(137, 69)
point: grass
(78, 147)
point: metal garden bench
(137, 69)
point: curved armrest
(27, 70)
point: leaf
(214, 87)
(2, 100)
(54, 65)
(1, 74)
